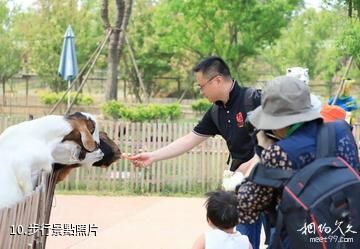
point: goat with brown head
(83, 130)
(35, 145)
(108, 147)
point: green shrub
(49, 98)
(174, 111)
(141, 113)
(52, 98)
(201, 105)
(112, 109)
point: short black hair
(222, 209)
(213, 65)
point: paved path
(129, 222)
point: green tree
(235, 30)
(152, 62)
(116, 41)
(10, 55)
(349, 43)
(309, 41)
(352, 6)
(41, 31)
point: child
(346, 101)
(222, 215)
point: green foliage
(352, 6)
(153, 63)
(10, 53)
(52, 98)
(234, 30)
(86, 100)
(201, 105)
(141, 113)
(309, 41)
(113, 109)
(49, 98)
(349, 43)
(41, 33)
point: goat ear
(87, 140)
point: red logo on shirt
(240, 120)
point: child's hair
(222, 209)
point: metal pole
(342, 81)
(69, 92)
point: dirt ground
(128, 222)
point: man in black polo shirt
(216, 84)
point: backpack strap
(325, 150)
(326, 140)
(252, 99)
(276, 243)
(272, 177)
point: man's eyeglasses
(201, 87)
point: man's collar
(234, 92)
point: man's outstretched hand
(143, 159)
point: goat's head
(83, 132)
(110, 149)
(110, 153)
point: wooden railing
(19, 224)
(198, 170)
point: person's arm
(176, 148)
(199, 243)
(254, 198)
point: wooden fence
(22, 226)
(197, 171)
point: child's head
(222, 209)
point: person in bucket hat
(287, 112)
(286, 100)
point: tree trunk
(350, 8)
(123, 12)
(4, 97)
(112, 70)
(126, 17)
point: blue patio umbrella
(68, 68)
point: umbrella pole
(68, 99)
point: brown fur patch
(107, 146)
(83, 128)
(64, 172)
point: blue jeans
(253, 231)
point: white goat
(34, 145)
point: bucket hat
(285, 101)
